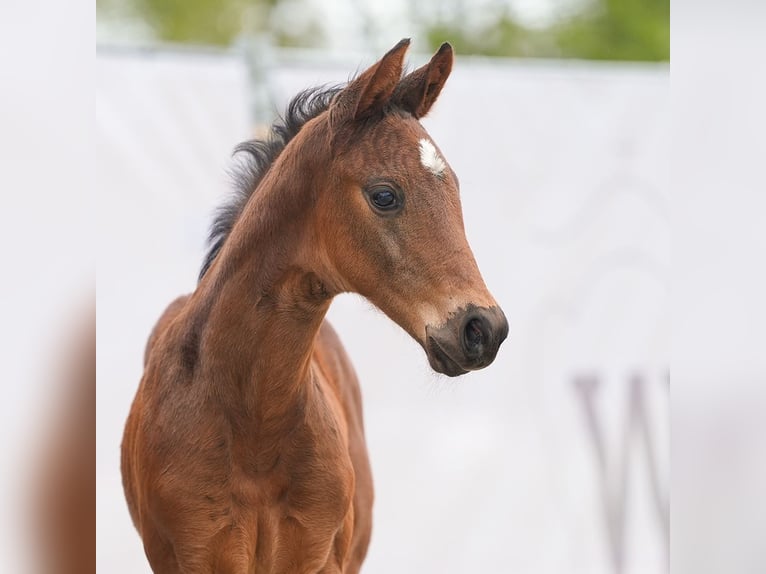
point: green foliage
(504, 37)
(618, 30)
(216, 22)
(603, 30)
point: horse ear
(369, 93)
(418, 91)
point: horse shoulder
(334, 362)
(170, 313)
(130, 449)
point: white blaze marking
(431, 159)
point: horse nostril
(474, 334)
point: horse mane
(259, 156)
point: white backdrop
(553, 460)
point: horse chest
(300, 512)
(311, 481)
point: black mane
(259, 156)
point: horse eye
(384, 198)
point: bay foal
(244, 449)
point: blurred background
(556, 119)
(591, 29)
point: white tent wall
(553, 460)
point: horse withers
(244, 450)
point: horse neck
(261, 303)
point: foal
(244, 450)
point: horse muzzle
(468, 341)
